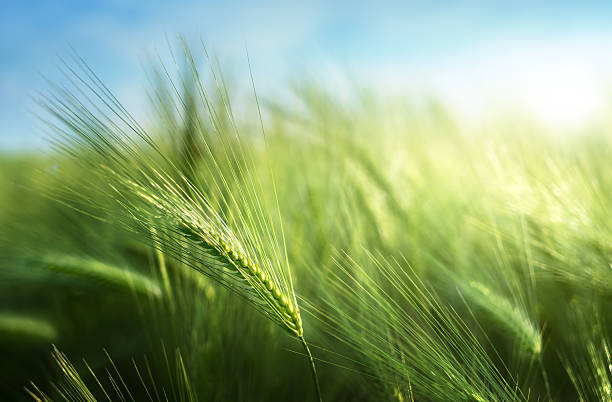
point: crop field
(232, 247)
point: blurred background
(550, 60)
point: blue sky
(552, 58)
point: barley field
(232, 247)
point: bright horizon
(553, 62)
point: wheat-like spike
(101, 271)
(510, 316)
(129, 167)
(19, 325)
(231, 256)
(218, 253)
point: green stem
(545, 376)
(313, 368)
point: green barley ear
(231, 257)
(212, 212)
(20, 326)
(215, 223)
(100, 271)
(511, 317)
